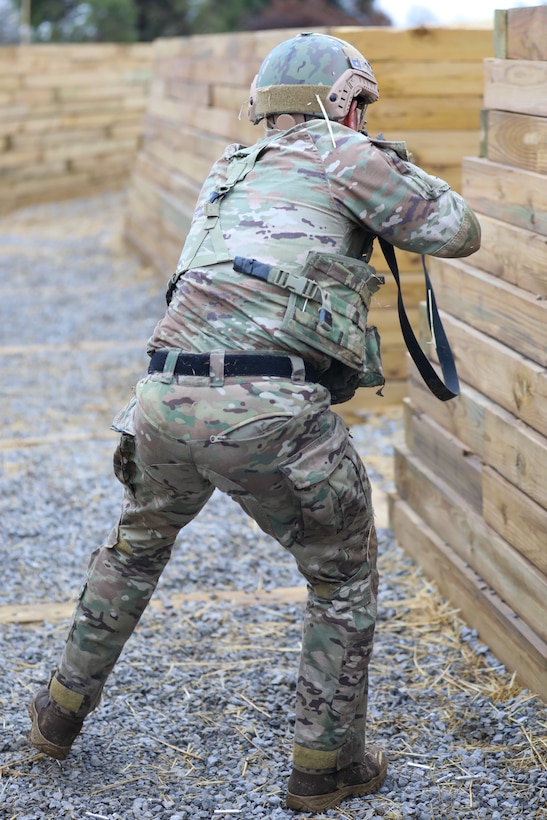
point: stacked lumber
(70, 119)
(471, 479)
(431, 94)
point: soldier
(265, 329)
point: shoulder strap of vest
(450, 388)
(194, 254)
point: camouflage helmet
(298, 71)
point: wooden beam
(510, 314)
(509, 569)
(517, 452)
(445, 455)
(516, 85)
(514, 196)
(515, 139)
(519, 520)
(511, 640)
(527, 33)
(506, 377)
(500, 34)
(462, 417)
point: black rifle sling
(450, 388)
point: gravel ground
(197, 717)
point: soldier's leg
(123, 573)
(303, 482)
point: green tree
(145, 20)
(251, 15)
(93, 20)
(212, 16)
(114, 20)
(164, 18)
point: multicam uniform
(272, 443)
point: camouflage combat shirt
(311, 188)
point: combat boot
(318, 792)
(52, 731)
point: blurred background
(139, 20)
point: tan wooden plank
(105, 80)
(16, 159)
(510, 640)
(165, 179)
(428, 149)
(97, 148)
(422, 44)
(500, 34)
(200, 93)
(59, 137)
(34, 613)
(508, 378)
(441, 113)
(416, 79)
(33, 171)
(516, 139)
(527, 33)
(508, 313)
(462, 417)
(444, 113)
(194, 167)
(514, 254)
(511, 195)
(516, 85)
(507, 568)
(516, 451)
(518, 519)
(81, 121)
(152, 242)
(106, 168)
(445, 455)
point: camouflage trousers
(277, 449)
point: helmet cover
(310, 66)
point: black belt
(235, 364)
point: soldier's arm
(394, 198)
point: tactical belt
(235, 364)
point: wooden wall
(431, 83)
(471, 480)
(70, 119)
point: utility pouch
(331, 317)
(327, 310)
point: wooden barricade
(430, 94)
(70, 119)
(471, 479)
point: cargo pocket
(124, 461)
(311, 474)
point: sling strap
(450, 387)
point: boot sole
(40, 742)
(322, 802)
